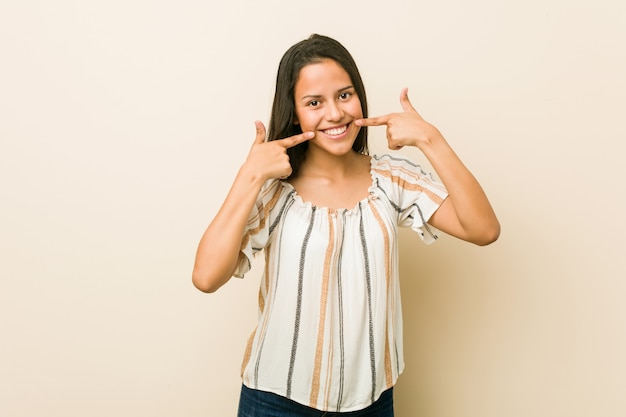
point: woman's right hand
(219, 248)
(270, 159)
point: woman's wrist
(251, 175)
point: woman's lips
(336, 131)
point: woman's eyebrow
(315, 96)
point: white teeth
(336, 130)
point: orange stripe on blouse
(266, 210)
(315, 386)
(385, 232)
(247, 354)
(401, 182)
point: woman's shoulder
(274, 189)
(387, 165)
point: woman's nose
(333, 112)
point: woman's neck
(335, 181)
(336, 166)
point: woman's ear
(296, 121)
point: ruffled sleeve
(258, 230)
(414, 194)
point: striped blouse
(329, 333)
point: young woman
(325, 214)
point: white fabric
(329, 334)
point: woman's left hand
(406, 128)
(466, 213)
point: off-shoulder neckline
(364, 201)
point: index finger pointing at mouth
(373, 121)
(296, 139)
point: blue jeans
(254, 403)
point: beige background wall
(122, 124)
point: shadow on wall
(447, 296)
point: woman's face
(327, 104)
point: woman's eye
(345, 96)
(314, 103)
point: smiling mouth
(336, 131)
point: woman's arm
(466, 213)
(218, 251)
